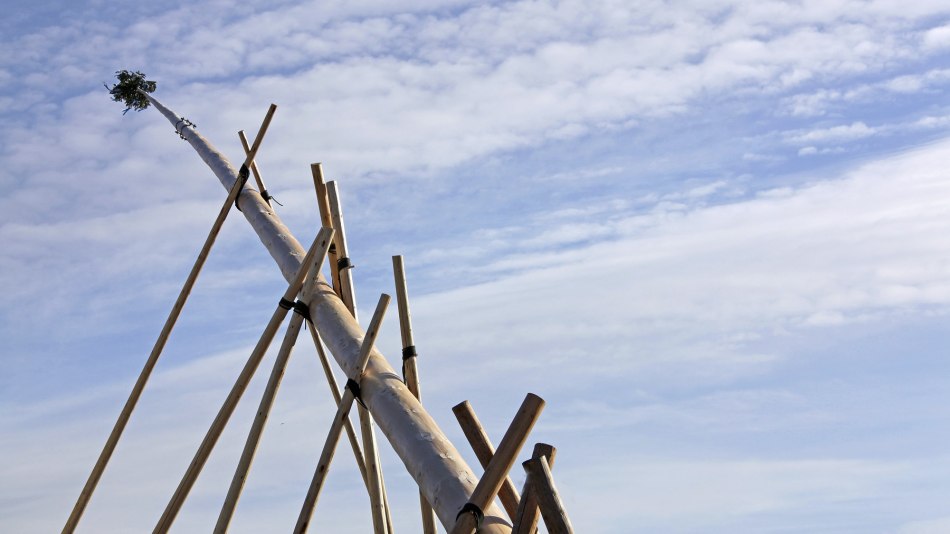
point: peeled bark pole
(322, 242)
(430, 458)
(485, 451)
(501, 462)
(267, 401)
(410, 372)
(159, 346)
(552, 510)
(342, 415)
(526, 520)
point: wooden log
(430, 458)
(263, 411)
(342, 414)
(410, 371)
(317, 252)
(552, 509)
(326, 219)
(497, 469)
(255, 169)
(485, 451)
(526, 520)
(157, 349)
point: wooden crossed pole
(159, 346)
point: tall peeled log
(437, 467)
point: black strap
(303, 310)
(344, 263)
(285, 304)
(242, 175)
(409, 352)
(471, 508)
(354, 388)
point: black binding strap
(471, 508)
(344, 263)
(242, 175)
(354, 388)
(296, 305)
(409, 352)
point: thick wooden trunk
(437, 467)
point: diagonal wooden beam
(500, 464)
(526, 519)
(552, 509)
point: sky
(713, 235)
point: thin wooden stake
(317, 252)
(337, 398)
(526, 520)
(347, 293)
(159, 346)
(342, 413)
(552, 509)
(485, 451)
(326, 218)
(255, 170)
(488, 486)
(263, 410)
(410, 371)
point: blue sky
(714, 236)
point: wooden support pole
(316, 252)
(410, 372)
(326, 219)
(552, 509)
(435, 464)
(485, 451)
(263, 410)
(157, 349)
(337, 398)
(526, 520)
(255, 170)
(342, 414)
(501, 462)
(344, 265)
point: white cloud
(834, 134)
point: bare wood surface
(342, 413)
(485, 451)
(255, 169)
(497, 469)
(326, 219)
(157, 349)
(347, 292)
(410, 371)
(552, 509)
(263, 410)
(526, 520)
(321, 243)
(434, 463)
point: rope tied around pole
(344, 263)
(297, 306)
(180, 127)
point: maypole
(444, 478)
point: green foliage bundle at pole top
(130, 90)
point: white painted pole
(429, 457)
